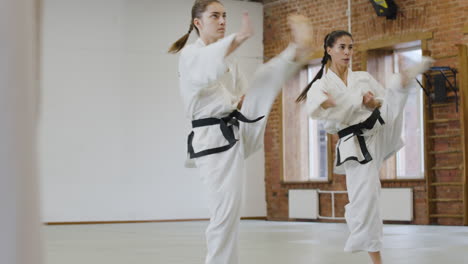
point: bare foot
(376, 258)
(301, 31)
(410, 72)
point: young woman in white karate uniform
(212, 88)
(368, 121)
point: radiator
(396, 204)
(303, 204)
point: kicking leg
(270, 78)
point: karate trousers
(223, 173)
(362, 213)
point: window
(305, 142)
(408, 163)
(410, 159)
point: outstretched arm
(245, 32)
(203, 65)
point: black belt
(225, 124)
(357, 130)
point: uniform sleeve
(203, 65)
(394, 84)
(241, 82)
(377, 89)
(315, 97)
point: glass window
(408, 162)
(410, 159)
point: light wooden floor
(261, 242)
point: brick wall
(445, 18)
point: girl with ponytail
(368, 121)
(329, 41)
(223, 136)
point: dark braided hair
(329, 41)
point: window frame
(399, 42)
(316, 56)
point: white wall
(113, 133)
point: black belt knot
(357, 130)
(225, 124)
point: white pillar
(20, 224)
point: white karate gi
(211, 86)
(362, 180)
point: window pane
(410, 159)
(318, 151)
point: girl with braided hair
(223, 136)
(368, 121)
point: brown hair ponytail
(319, 75)
(198, 8)
(180, 43)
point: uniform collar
(333, 76)
(200, 42)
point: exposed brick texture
(445, 18)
